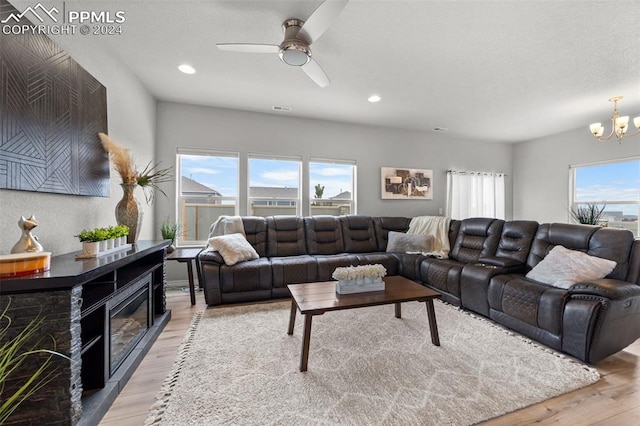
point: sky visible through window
(336, 178)
(219, 173)
(618, 181)
(274, 173)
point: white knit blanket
(227, 225)
(438, 226)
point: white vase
(102, 245)
(90, 248)
(110, 243)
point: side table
(187, 255)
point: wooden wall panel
(51, 110)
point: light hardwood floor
(613, 400)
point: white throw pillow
(563, 267)
(233, 248)
(409, 243)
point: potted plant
(14, 352)
(169, 230)
(102, 239)
(122, 231)
(102, 235)
(90, 242)
(128, 210)
(588, 214)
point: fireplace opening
(129, 320)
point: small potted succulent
(169, 230)
(90, 242)
(102, 239)
(120, 233)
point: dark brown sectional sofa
(485, 272)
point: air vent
(439, 129)
(281, 108)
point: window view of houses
(209, 188)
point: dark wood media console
(104, 314)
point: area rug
(238, 366)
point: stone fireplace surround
(74, 296)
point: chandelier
(619, 125)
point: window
(475, 194)
(332, 187)
(274, 186)
(207, 189)
(614, 185)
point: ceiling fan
(298, 36)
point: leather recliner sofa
(485, 272)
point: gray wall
(181, 125)
(541, 170)
(131, 121)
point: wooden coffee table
(317, 298)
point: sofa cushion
(515, 240)
(358, 234)
(253, 275)
(613, 244)
(385, 224)
(536, 304)
(443, 275)
(255, 229)
(389, 261)
(328, 263)
(548, 235)
(477, 237)
(293, 270)
(233, 248)
(409, 243)
(563, 267)
(324, 235)
(285, 236)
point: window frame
(181, 239)
(353, 206)
(573, 191)
(273, 201)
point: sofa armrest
(210, 256)
(611, 289)
(474, 284)
(209, 263)
(508, 265)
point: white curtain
(475, 194)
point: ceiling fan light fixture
(374, 98)
(187, 69)
(295, 54)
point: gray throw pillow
(563, 268)
(409, 243)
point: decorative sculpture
(27, 243)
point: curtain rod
(464, 172)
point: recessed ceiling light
(439, 129)
(374, 98)
(187, 69)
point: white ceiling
(486, 70)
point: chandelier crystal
(619, 125)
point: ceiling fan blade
(249, 47)
(315, 73)
(321, 19)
